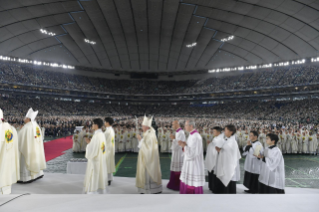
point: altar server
(272, 173)
(252, 164)
(9, 156)
(110, 148)
(177, 156)
(211, 156)
(96, 180)
(148, 172)
(32, 159)
(227, 165)
(193, 173)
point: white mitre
(147, 121)
(32, 114)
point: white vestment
(110, 151)
(134, 142)
(304, 143)
(212, 154)
(252, 163)
(148, 171)
(227, 166)
(83, 142)
(96, 180)
(76, 143)
(272, 171)
(312, 144)
(32, 159)
(164, 142)
(193, 171)
(294, 144)
(9, 158)
(177, 151)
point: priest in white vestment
(32, 158)
(193, 171)
(86, 134)
(9, 156)
(211, 156)
(252, 163)
(148, 172)
(227, 165)
(294, 143)
(312, 143)
(272, 173)
(76, 142)
(135, 141)
(305, 140)
(96, 181)
(177, 157)
(110, 148)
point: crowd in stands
(11, 72)
(62, 116)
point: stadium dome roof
(159, 35)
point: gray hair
(178, 121)
(191, 123)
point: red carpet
(55, 148)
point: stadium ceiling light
(43, 31)
(269, 65)
(298, 62)
(228, 38)
(35, 62)
(265, 66)
(90, 42)
(191, 45)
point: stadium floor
(302, 171)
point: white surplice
(227, 166)
(212, 154)
(193, 171)
(96, 177)
(252, 163)
(272, 171)
(177, 151)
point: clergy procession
(197, 154)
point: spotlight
(90, 42)
(228, 38)
(191, 45)
(47, 33)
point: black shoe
(110, 183)
(158, 193)
(248, 191)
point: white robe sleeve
(179, 137)
(274, 162)
(140, 143)
(92, 149)
(192, 149)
